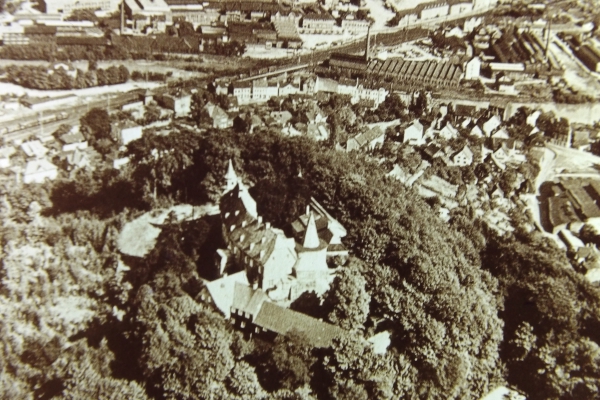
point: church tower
(231, 178)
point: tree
(348, 298)
(96, 123)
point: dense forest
(467, 310)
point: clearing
(139, 236)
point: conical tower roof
(230, 175)
(311, 238)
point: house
(315, 116)
(78, 159)
(281, 117)
(73, 140)
(463, 158)
(367, 140)
(448, 132)
(126, 131)
(318, 22)
(288, 88)
(491, 124)
(501, 134)
(38, 170)
(533, 117)
(34, 149)
(414, 133)
(432, 151)
(5, 154)
(476, 131)
(263, 90)
(181, 104)
(473, 69)
(242, 91)
(220, 119)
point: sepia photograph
(300, 199)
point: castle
(262, 271)
(283, 268)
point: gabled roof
(283, 321)
(319, 17)
(70, 138)
(39, 166)
(34, 148)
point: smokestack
(122, 16)
(367, 55)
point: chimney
(243, 223)
(263, 240)
(251, 246)
(122, 16)
(268, 225)
(255, 286)
(308, 210)
(367, 55)
(259, 219)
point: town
(281, 176)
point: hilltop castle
(282, 267)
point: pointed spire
(311, 238)
(231, 179)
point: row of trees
(59, 78)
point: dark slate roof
(319, 17)
(81, 41)
(282, 321)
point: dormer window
(227, 215)
(237, 212)
(242, 237)
(232, 228)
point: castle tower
(311, 238)
(231, 178)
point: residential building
(461, 8)
(263, 90)
(34, 149)
(126, 131)
(367, 140)
(435, 10)
(414, 133)
(66, 7)
(463, 158)
(243, 91)
(220, 119)
(288, 88)
(473, 69)
(448, 132)
(318, 22)
(5, 154)
(281, 117)
(181, 104)
(78, 159)
(356, 26)
(491, 124)
(73, 141)
(38, 170)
